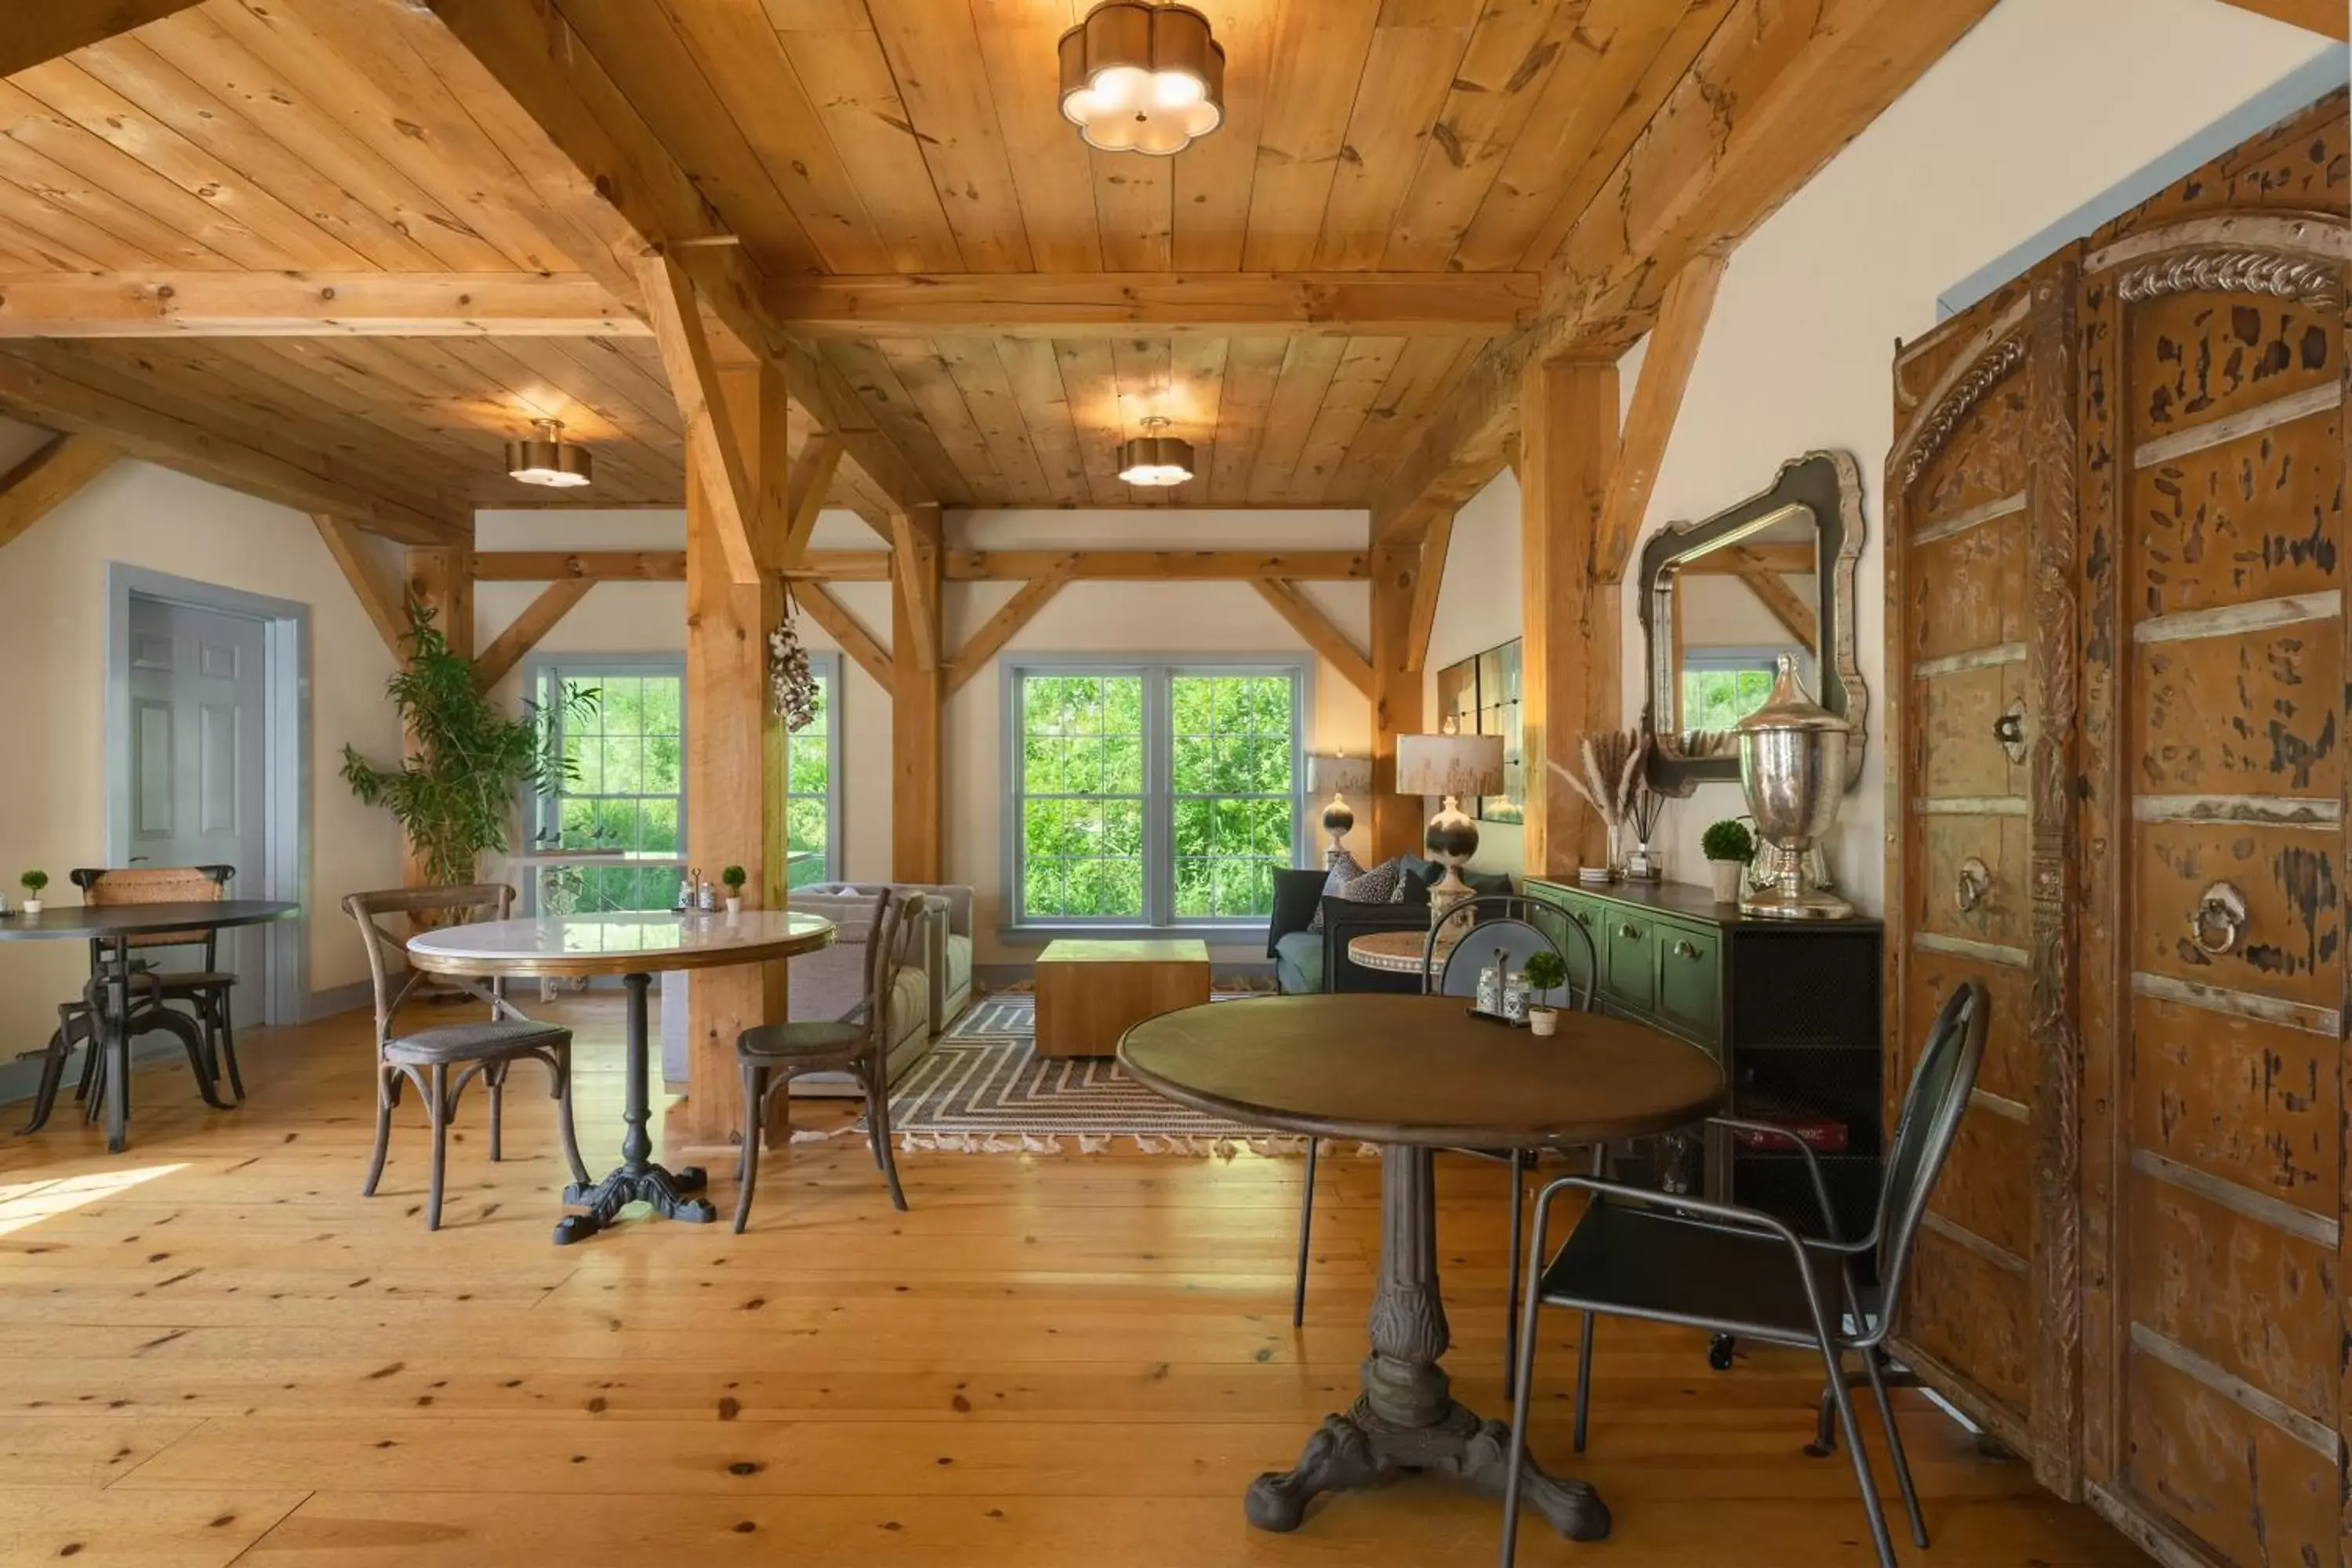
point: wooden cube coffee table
(1089, 993)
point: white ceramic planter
(1727, 879)
(1543, 1020)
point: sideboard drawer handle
(1629, 932)
(1579, 916)
(1684, 949)
(2222, 909)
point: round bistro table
(114, 926)
(1414, 1074)
(632, 946)
(1397, 952)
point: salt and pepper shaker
(684, 894)
(1515, 996)
(706, 899)
(1490, 986)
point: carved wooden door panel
(1964, 493)
(2212, 866)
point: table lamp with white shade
(1337, 772)
(1451, 765)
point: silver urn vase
(1792, 769)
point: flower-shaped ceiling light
(545, 458)
(1153, 459)
(1142, 78)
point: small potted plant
(33, 882)
(734, 877)
(1728, 848)
(1544, 973)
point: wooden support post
(1397, 821)
(917, 685)
(1433, 546)
(735, 744)
(1568, 664)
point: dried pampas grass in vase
(1611, 782)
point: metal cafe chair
(1674, 1259)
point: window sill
(1222, 933)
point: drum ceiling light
(1142, 78)
(547, 458)
(1155, 460)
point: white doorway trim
(286, 636)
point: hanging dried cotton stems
(791, 686)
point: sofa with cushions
(945, 956)
(1310, 955)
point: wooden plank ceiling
(1449, 156)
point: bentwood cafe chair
(424, 1058)
(1674, 1259)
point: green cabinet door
(1629, 957)
(1689, 982)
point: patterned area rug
(984, 1091)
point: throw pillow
(1377, 886)
(1343, 871)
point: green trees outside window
(1155, 795)
(808, 790)
(628, 753)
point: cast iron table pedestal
(637, 1178)
(1407, 1418)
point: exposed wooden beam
(1397, 821)
(2329, 17)
(47, 384)
(39, 30)
(538, 618)
(835, 408)
(710, 444)
(1775, 92)
(1158, 565)
(175, 304)
(841, 625)
(915, 566)
(1330, 643)
(380, 599)
(1112, 304)
(50, 477)
(1432, 576)
(811, 476)
(1571, 623)
(1006, 624)
(592, 565)
(1787, 606)
(1657, 401)
(842, 566)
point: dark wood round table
(114, 925)
(1414, 1074)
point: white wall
(53, 705)
(1113, 618)
(1997, 142)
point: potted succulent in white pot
(1545, 974)
(33, 882)
(734, 879)
(1728, 848)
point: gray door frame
(286, 639)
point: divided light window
(1159, 795)
(812, 779)
(629, 753)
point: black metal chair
(858, 1045)
(1740, 1271)
(207, 989)
(423, 1056)
(1501, 926)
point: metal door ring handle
(1975, 881)
(2222, 908)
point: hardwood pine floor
(214, 1350)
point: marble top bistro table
(632, 946)
(1414, 1074)
(114, 925)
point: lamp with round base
(1450, 766)
(1337, 772)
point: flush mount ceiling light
(1142, 78)
(546, 459)
(1154, 459)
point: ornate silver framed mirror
(1724, 598)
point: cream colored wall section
(1993, 146)
(52, 639)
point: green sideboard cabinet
(1790, 1008)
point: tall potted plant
(453, 792)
